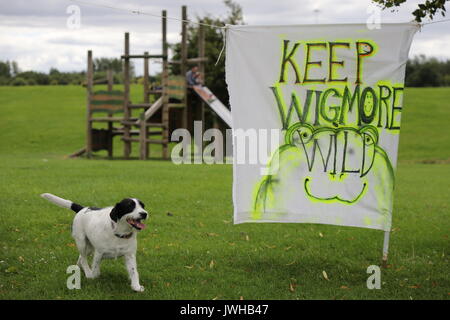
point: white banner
(316, 117)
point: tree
(115, 64)
(33, 77)
(215, 74)
(5, 69)
(15, 68)
(18, 81)
(104, 64)
(427, 72)
(428, 8)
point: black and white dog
(107, 233)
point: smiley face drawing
(323, 169)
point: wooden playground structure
(163, 109)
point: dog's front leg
(130, 262)
(96, 264)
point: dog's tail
(62, 202)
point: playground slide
(152, 110)
(215, 104)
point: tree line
(421, 71)
(11, 75)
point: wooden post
(145, 82)
(126, 92)
(89, 85)
(143, 133)
(218, 152)
(201, 54)
(183, 66)
(165, 82)
(385, 249)
(109, 78)
(142, 138)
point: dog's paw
(138, 288)
(91, 275)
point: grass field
(196, 252)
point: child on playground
(194, 79)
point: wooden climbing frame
(158, 105)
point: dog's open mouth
(136, 223)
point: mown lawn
(191, 249)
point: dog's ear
(114, 214)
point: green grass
(197, 252)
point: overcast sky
(36, 35)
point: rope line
(139, 12)
(431, 22)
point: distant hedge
(421, 71)
(427, 72)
